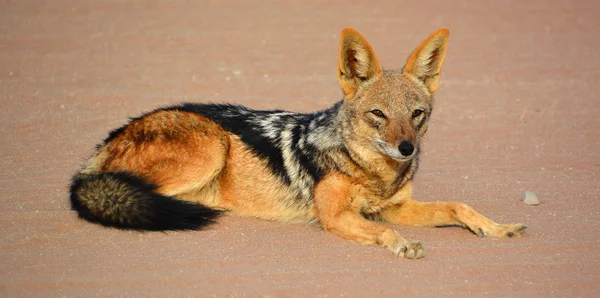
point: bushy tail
(124, 201)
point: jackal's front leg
(435, 214)
(337, 213)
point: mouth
(393, 152)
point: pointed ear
(426, 61)
(357, 62)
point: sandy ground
(518, 109)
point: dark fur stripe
(311, 167)
(123, 201)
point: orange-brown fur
(194, 159)
(178, 151)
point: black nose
(406, 148)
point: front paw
(409, 250)
(501, 231)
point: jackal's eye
(417, 113)
(378, 113)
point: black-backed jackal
(343, 168)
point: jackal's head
(386, 111)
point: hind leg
(180, 152)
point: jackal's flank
(344, 168)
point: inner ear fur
(357, 62)
(426, 62)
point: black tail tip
(173, 215)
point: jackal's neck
(323, 130)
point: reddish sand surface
(518, 109)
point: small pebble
(530, 198)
